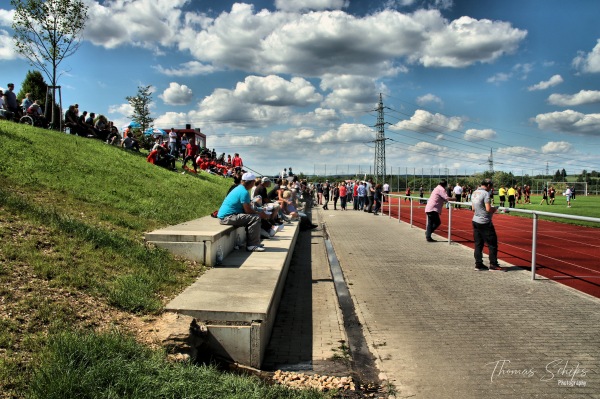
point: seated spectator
(81, 118)
(71, 120)
(27, 102)
(288, 205)
(113, 136)
(35, 111)
(102, 127)
(269, 227)
(129, 143)
(261, 190)
(161, 157)
(236, 210)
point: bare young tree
(47, 32)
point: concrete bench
(238, 299)
(198, 239)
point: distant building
(191, 133)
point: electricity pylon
(380, 145)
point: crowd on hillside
(13, 108)
(166, 150)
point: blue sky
(295, 82)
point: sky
(296, 83)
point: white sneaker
(264, 233)
(255, 248)
(273, 231)
(280, 227)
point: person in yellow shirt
(502, 195)
(512, 194)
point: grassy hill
(77, 281)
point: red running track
(565, 253)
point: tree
(141, 107)
(557, 175)
(35, 84)
(563, 174)
(47, 32)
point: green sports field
(588, 206)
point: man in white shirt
(457, 194)
(386, 191)
(173, 143)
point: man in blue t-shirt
(237, 211)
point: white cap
(248, 176)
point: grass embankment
(74, 268)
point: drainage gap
(363, 362)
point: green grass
(73, 213)
(111, 365)
(588, 206)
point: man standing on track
(483, 229)
(433, 209)
(457, 194)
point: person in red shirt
(160, 157)
(237, 162)
(343, 194)
(153, 157)
(191, 151)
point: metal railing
(535, 218)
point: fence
(535, 218)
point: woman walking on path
(343, 196)
(326, 188)
(319, 194)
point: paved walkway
(438, 328)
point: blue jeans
(361, 203)
(173, 149)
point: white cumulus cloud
(477, 135)
(553, 81)
(429, 99)
(191, 68)
(569, 121)
(557, 147)
(573, 100)
(7, 47)
(327, 40)
(347, 132)
(590, 62)
(6, 17)
(257, 101)
(426, 122)
(515, 151)
(466, 41)
(299, 5)
(274, 90)
(177, 94)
